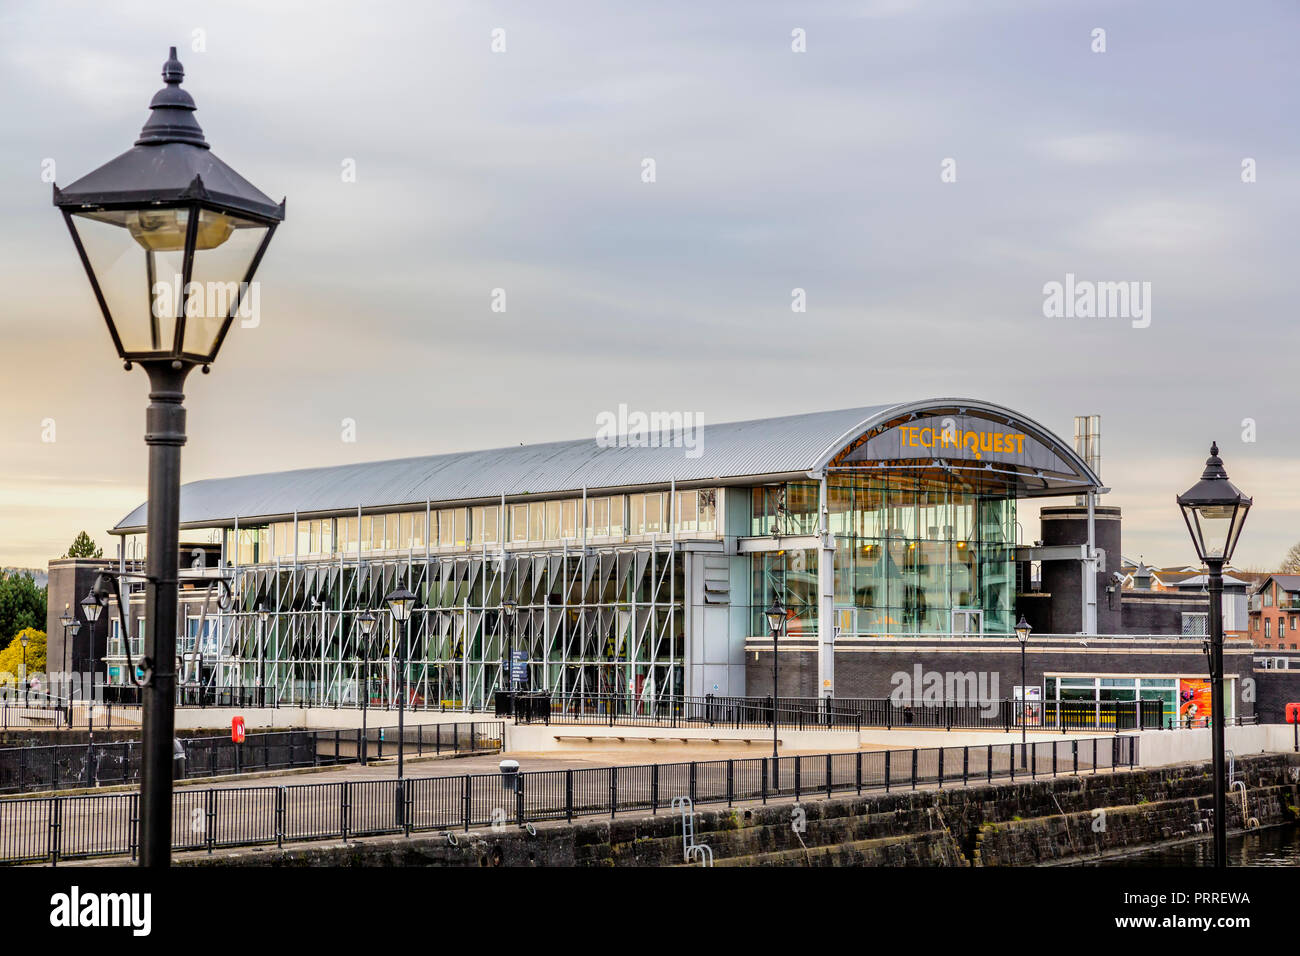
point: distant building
(1275, 613)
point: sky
(921, 169)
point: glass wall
(910, 552)
(549, 522)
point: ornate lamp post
(401, 603)
(1215, 511)
(91, 607)
(22, 639)
(1022, 635)
(366, 624)
(775, 622)
(170, 237)
(263, 619)
(70, 628)
(510, 608)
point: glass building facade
(913, 554)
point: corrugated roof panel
(766, 446)
(727, 450)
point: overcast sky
(774, 170)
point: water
(1276, 846)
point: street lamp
(263, 619)
(170, 237)
(366, 624)
(70, 627)
(1215, 511)
(22, 639)
(775, 621)
(1022, 635)
(510, 608)
(91, 606)
(401, 603)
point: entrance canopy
(990, 448)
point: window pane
(460, 516)
(616, 504)
(519, 522)
(568, 518)
(489, 524)
(708, 510)
(636, 520)
(654, 519)
(687, 502)
(327, 536)
(552, 520)
(536, 520)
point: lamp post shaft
(775, 689)
(165, 436)
(1217, 713)
(1024, 698)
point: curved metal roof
(767, 447)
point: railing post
(1053, 758)
(419, 739)
(345, 808)
(519, 798)
(613, 791)
(798, 769)
(887, 753)
(692, 783)
(965, 766)
(913, 768)
(764, 781)
(437, 738)
(828, 771)
(568, 795)
(1094, 754)
(133, 823)
(1033, 759)
(279, 816)
(211, 801)
(857, 772)
(56, 812)
(941, 752)
(729, 780)
(468, 791)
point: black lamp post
(70, 628)
(775, 622)
(401, 603)
(1215, 511)
(22, 639)
(263, 619)
(91, 606)
(510, 608)
(1022, 635)
(366, 625)
(169, 236)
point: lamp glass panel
(139, 274)
(1213, 524)
(217, 279)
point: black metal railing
(837, 713)
(112, 763)
(50, 829)
(54, 715)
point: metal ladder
(691, 850)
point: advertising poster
(1193, 699)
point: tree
(84, 547)
(22, 605)
(1291, 563)
(11, 658)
